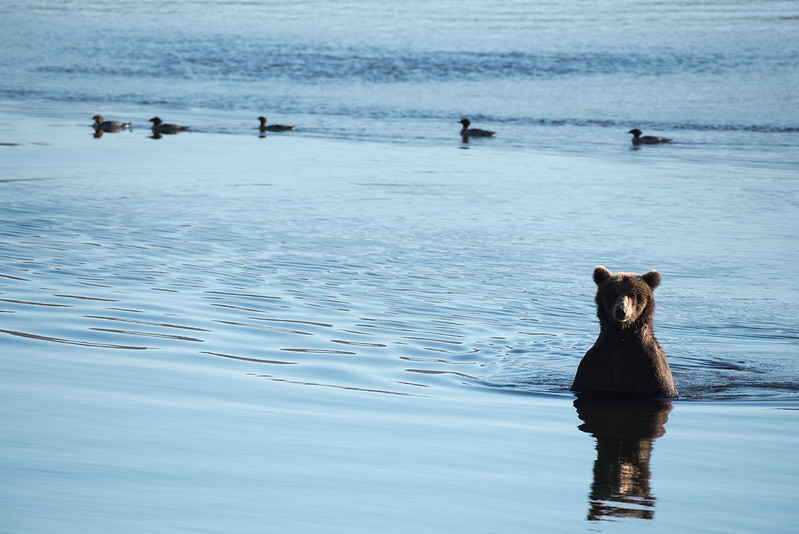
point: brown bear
(626, 357)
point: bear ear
(652, 278)
(600, 275)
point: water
(545, 75)
(365, 324)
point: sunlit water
(366, 325)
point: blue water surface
(368, 325)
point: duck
(160, 128)
(647, 139)
(108, 126)
(467, 132)
(274, 127)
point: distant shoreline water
(745, 146)
(719, 79)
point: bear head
(625, 299)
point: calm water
(365, 325)
(720, 76)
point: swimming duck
(108, 126)
(273, 127)
(467, 132)
(647, 139)
(160, 128)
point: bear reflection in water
(625, 428)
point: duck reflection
(625, 429)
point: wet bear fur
(626, 357)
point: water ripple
(31, 303)
(247, 359)
(336, 386)
(145, 334)
(72, 341)
(150, 323)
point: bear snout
(622, 309)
